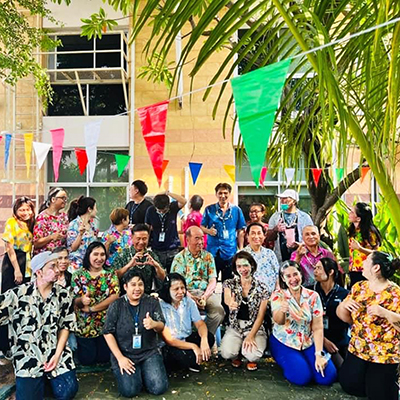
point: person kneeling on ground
(130, 331)
(247, 300)
(184, 349)
(40, 315)
(297, 335)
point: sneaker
(236, 363)
(252, 366)
(195, 368)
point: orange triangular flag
(364, 172)
(164, 166)
(316, 173)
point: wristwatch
(320, 353)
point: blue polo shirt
(232, 221)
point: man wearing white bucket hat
(287, 225)
(40, 316)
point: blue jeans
(65, 387)
(149, 373)
(299, 366)
(93, 350)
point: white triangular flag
(92, 132)
(289, 172)
(41, 151)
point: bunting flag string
(28, 138)
(122, 161)
(41, 151)
(7, 149)
(82, 159)
(57, 136)
(316, 173)
(164, 166)
(364, 172)
(263, 175)
(230, 170)
(289, 172)
(195, 170)
(339, 173)
(92, 133)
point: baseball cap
(40, 260)
(289, 193)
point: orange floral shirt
(357, 257)
(373, 338)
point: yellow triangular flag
(28, 137)
(230, 170)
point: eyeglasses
(64, 198)
(254, 211)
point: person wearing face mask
(51, 224)
(287, 225)
(297, 337)
(161, 217)
(40, 316)
(81, 230)
(95, 289)
(140, 257)
(247, 300)
(131, 328)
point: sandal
(252, 366)
(236, 363)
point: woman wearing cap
(297, 336)
(287, 225)
(364, 238)
(131, 328)
(95, 289)
(372, 308)
(51, 225)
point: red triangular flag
(263, 174)
(164, 165)
(364, 172)
(82, 159)
(316, 173)
(153, 119)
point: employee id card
(225, 234)
(161, 237)
(326, 322)
(137, 342)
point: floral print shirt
(46, 225)
(76, 257)
(99, 288)
(373, 338)
(357, 257)
(257, 293)
(196, 271)
(267, 267)
(33, 324)
(122, 241)
(296, 331)
(21, 238)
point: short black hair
(223, 185)
(287, 264)
(89, 250)
(196, 202)
(141, 228)
(246, 256)
(141, 186)
(387, 263)
(161, 201)
(132, 273)
(329, 265)
(255, 224)
(165, 289)
(60, 249)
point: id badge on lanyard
(225, 233)
(136, 338)
(161, 237)
(326, 321)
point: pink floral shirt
(296, 332)
(46, 225)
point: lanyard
(332, 292)
(135, 317)
(162, 217)
(133, 210)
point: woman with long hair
(372, 308)
(247, 299)
(17, 237)
(364, 238)
(81, 230)
(51, 225)
(95, 288)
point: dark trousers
(223, 266)
(92, 350)
(184, 359)
(149, 373)
(355, 277)
(166, 257)
(65, 387)
(367, 379)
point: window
(109, 190)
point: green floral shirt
(90, 325)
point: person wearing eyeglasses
(256, 214)
(51, 225)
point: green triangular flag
(257, 96)
(339, 174)
(122, 161)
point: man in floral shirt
(40, 316)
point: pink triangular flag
(57, 137)
(263, 174)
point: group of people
(139, 297)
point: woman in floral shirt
(247, 300)
(373, 309)
(51, 224)
(364, 238)
(81, 231)
(118, 236)
(95, 289)
(297, 334)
